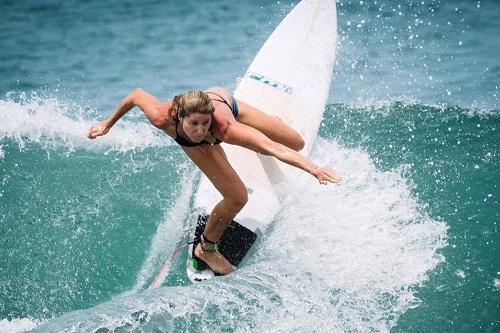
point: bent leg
(213, 163)
(271, 126)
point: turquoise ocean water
(408, 243)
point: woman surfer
(199, 121)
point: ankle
(207, 245)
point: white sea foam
(383, 106)
(380, 105)
(350, 255)
(55, 124)
(496, 284)
(18, 325)
(343, 258)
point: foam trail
(53, 124)
(168, 234)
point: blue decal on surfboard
(267, 81)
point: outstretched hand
(97, 130)
(326, 175)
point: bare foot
(214, 260)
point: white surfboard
(290, 78)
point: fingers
(335, 177)
(90, 133)
(329, 176)
(94, 132)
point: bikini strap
(223, 100)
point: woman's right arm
(149, 104)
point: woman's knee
(237, 199)
(294, 139)
(298, 143)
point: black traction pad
(233, 245)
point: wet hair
(194, 101)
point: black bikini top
(188, 143)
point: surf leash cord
(166, 266)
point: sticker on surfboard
(270, 82)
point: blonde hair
(194, 101)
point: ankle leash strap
(207, 245)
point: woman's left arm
(248, 137)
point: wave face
(346, 257)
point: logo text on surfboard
(267, 81)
